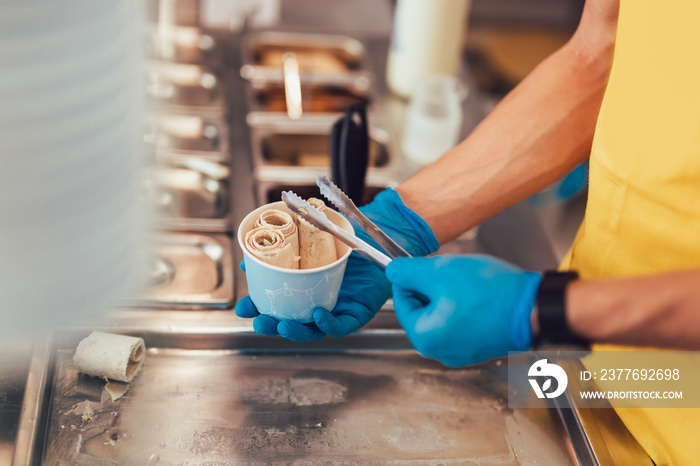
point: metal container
(186, 271)
(187, 196)
(333, 73)
(234, 397)
(317, 96)
(303, 145)
(184, 88)
(184, 134)
(317, 53)
(181, 44)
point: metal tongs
(315, 217)
(348, 208)
(345, 205)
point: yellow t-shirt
(643, 212)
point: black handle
(349, 150)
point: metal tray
(240, 398)
(318, 97)
(174, 133)
(329, 84)
(181, 44)
(304, 184)
(187, 271)
(187, 199)
(184, 88)
(304, 143)
(317, 53)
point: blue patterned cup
(287, 293)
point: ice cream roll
(107, 355)
(284, 223)
(316, 247)
(269, 245)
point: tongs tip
(334, 195)
(348, 208)
(304, 209)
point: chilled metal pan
(240, 398)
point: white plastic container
(433, 119)
(426, 39)
(70, 158)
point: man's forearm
(539, 132)
(657, 310)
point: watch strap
(551, 310)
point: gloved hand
(364, 288)
(478, 307)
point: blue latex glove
(364, 288)
(478, 307)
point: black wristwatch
(551, 311)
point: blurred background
(135, 136)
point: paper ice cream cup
(291, 293)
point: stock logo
(547, 371)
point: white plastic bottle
(426, 39)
